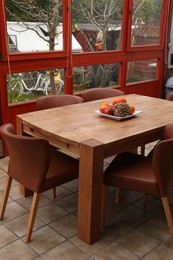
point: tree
(38, 11)
(104, 16)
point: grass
(13, 99)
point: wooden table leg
(90, 191)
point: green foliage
(81, 10)
(148, 10)
(29, 10)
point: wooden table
(77, 129)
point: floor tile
(19, 225)
(61, 192)
(156, 229)
(69, 203)
(114, 252)
(13, 210)
(6, 236)
(133, 215)
(138, 243)
(17, 250)
(66, 226)
(45, 239)
(161, 253)
(65, 251)
(72, 185)
(116, 229)
(91, 249)
(26, 202)
(50, 213)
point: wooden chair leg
(143, 150)
(54, 193)
(5, 195)
(168, 214)
(32, 216)
(104, 205)
(117, 195)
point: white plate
(137, 112)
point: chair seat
(133, 172)
(66, 164)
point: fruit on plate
(118, 107)
(118, 100)
(105, 103)
(102, 108)
(121, 109)
(109, 110)
(132, 110)
(106, 109)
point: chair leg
(104, 205)
(5, 195)
(143, 150)
(32, 216)
(54, 192)
(117, 195)
(168, 214)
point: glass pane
(97, 24)
(102, 75)
(170, 45)
(31, 85)
(141, 70)
(146, 22)
(32, 26)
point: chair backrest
(168, 131)
(169, 96)
(99, 93)
(29, 158)
(163, 164)
(51, 101)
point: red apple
(109, 110)
(103, 108)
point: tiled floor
(132, 232)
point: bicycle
(18, 84)
(59, 83)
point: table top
(67, 127)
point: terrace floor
(132, 232)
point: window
(99, 45)
(141, 70)
(25, 86)
(98, 75)
(97, 26)
(145, 29)
(26, 21)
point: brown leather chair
(36, 165)
(169, 96)
(51, 101)
(99, 93)
(150, 175)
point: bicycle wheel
(58, 85)
(16, 91)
